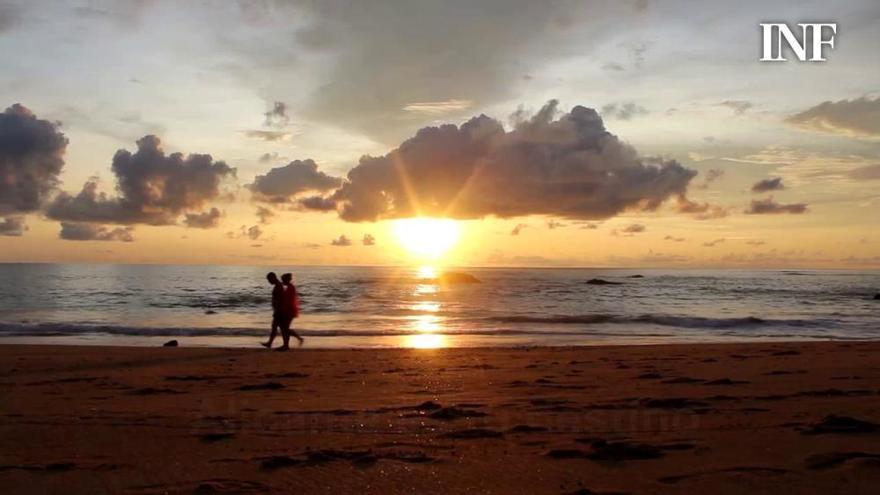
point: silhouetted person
(289, 312)
(278, 303)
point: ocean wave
(64, 330)
(223, 301)
(662, 320)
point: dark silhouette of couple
(285, 307)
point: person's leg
(272, 334)
(285, 334)
(293, 332)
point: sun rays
(427, 238)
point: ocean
(407, 307)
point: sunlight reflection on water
(425, 341)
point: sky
(568, 133)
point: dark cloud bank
(860, 116)
(151, 188)
(205, 220)
(559, 164)
(76, 231)
(341, 241)
(281, 184)
(769, 206)
(766, 185)
(31, 158)
(12, 226)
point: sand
(713, 419)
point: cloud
(769, 206)
(868, 172)
(637, 53)
(711, 176)
(264, 214)
(553, 224)
(12, 226)
(755, 242)
(268, 135)
(623, 111)
(9, 16)
(518, 228)
(152, 188)
(78, 231)
(341, 241)
(205, 220)
(317, 203)
(566, 166)
(254, 232)
(674, 239)
(714, 243)
(739, 107)
(766, 185)
(268, 157)
(799, 165)
(858, 117)
(281, 184)
(277, 117)
(438, 107)
(629, 230)
(375, 76)
(588, 226)
(701, 211)
(368, 240)
(613, 66)
(31, 157)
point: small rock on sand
(170, 343)
(842, 424)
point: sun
(427, 237)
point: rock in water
(458, 278)
(877, 297)
(170, 343)
(599, 281)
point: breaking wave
(662, 320)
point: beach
(693, 418)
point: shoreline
(670, 418)
(340, 342)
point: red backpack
(292, 297)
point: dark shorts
(281, 319)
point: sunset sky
(325, 122)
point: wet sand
(732, 418)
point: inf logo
(773, 34)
